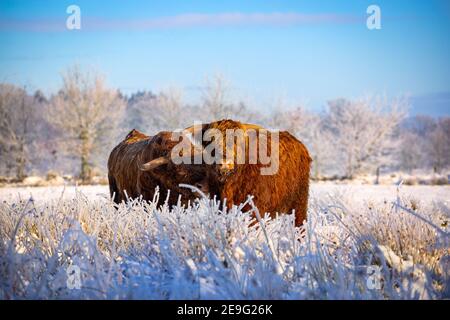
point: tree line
(73, 130)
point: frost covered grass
(396, 248)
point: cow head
(229, 139)
(171, 174)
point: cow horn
(155, 163)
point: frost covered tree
(215, 97)
(307, 126)
(18, 128)
(86, 113)
(165, 111)
(133, 113)
(410, 152)
(320, 143)
(364, 132)
(438, 145)
(217, 102)
(425, 143)
(419, 125)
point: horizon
(305, 53)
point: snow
(356, 192)
(360, 242)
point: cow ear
(155, 163)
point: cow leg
(301, 207)
(113, 190)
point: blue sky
(303, 51)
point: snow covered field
(360, 242)
(359, 193)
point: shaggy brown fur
(282, 192)
(126, 178)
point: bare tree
(163, 112)
(167, 110)
(307, 126)
(363, 131)
(420, 125)
(425, 143)
(319, 141)
(215, 97)
(217, 102)
(438, 145)
(18, 117)
(87, 114)
(411, 154)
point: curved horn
(155, 163)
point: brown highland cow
(285, 190)
(140, 163)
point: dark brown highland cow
(285, 190)
(141, 163)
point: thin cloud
(188, 20)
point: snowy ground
(40, 194)
(358, 193)
(361, 193)
(360, 242)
